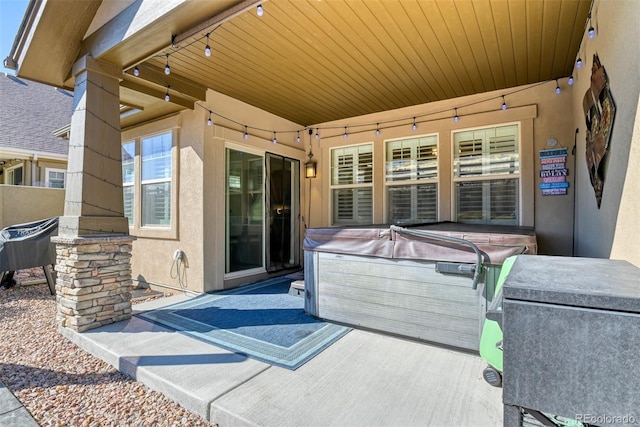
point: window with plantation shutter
(412, 180)
(487, 175)
(352, 185)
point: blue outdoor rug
(261, 321)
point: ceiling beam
(176, 98)
(215, 20)
(126, 24)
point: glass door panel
(245, 211)
(283, 179)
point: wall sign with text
(554, 172)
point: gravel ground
(61, 384)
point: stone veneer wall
(93, 285)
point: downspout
(34, 169)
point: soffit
(317, 61)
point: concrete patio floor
(364, 379)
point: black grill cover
(28, 245)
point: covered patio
(363, 379)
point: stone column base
(93, 287)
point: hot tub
(430, 282)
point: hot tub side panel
(403, 297)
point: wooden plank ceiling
(316, 61)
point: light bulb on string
(570, 81)
(298, 138)
(557, 87)
(136, 71)
(591, 31)
(207, 49)
(579, 63)
(167, 69)
(415, 126)
(317, 133)
(275, 140)
(504, 103)
(259, 10)
(346, 135)
(246, 133)
(377, 129)
(209, 121)
(456, 118)
(166, 95)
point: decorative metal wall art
(599, 111)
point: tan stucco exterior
(612, 230)
(20, 204)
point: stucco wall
(543, 115)
(612, 230)
(19, 204)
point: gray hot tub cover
(496, 243)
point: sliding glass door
(283, 182)
(245, 211)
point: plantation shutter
(352, 179)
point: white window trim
(12, 169)
(517, 176)
(355, 185)
(47, 180)
(155, 231)
(388, 184)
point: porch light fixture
(167, 69)
(504, 103)
(456, 118)
(136, 71)
(415, 126)
(207, 49)
(259, 10)
(557, 87)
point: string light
(557, 87)
(246, 133)
(346, 135)
(317, 133)
(579, 62)
(167, 69)
(207, 49)
(136, 71)
(166, 95)
(377, 129)
(570, 81)
(209, 122)
(298, 138)
(415, 126)
(592, 31)
(259, 10)
(456, 118)
(275, 140)
(504, 103)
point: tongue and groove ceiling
(317, 61)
